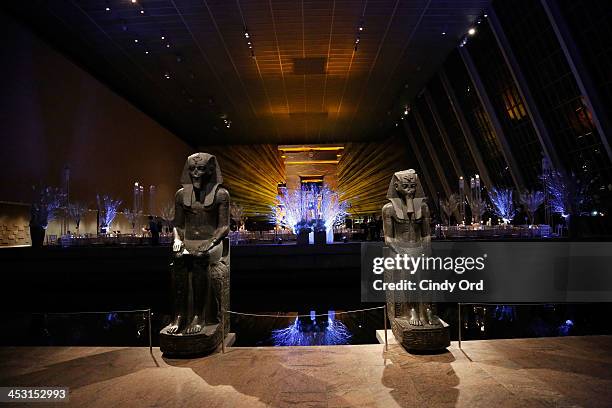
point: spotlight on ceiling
(167, 75)
(142, 11)
(146, 51)
(133, 1)
(107, 9)
(136, 40)
(443, 32)
(249, 43)
(163, 37)
(472, 31)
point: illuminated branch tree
(568, 194)
(329, 207)
(236, 214)
(132, 217)
(167, 213)
(293, 212)
(45, 205)
(76, 212)
(450, 205)
(320, 208)
(503, 203)
(531, 200)
(477, 204)
(108, 210)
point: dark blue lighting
(310, 332)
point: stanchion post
(150, 339)
(385, 318)
(223, 332)
(459, 323)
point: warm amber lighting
(313, 162)
(514, 105)
(365, 170)
(309, 148)
(252, 175)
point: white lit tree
(167, 213)
(531, 201)
(450, 205)
(76, 211)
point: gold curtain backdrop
(251, 174)
(364, 172)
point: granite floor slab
(546, 372)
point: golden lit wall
(365, 170)
(251, 174)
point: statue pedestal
(421, 338)
(191, 345)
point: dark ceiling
(306, 82)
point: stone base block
(190, 345)
(421, 338)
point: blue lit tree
(503, 203)
(306, 208)
(567, 193)
(45, 206)
(108, 211)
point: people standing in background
(154, 230)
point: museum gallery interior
(306, 203)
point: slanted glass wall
(554, 87)
(507, 103)
(451, 125)
(422, 150)
(590, 23)
(436, 140)
(477, 119)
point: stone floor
(570, 371)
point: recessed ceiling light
(167, 45)
(147, 51)
(133, 1)
(107, 9)
(142, 11)
(472, 31)
(443, 32)
(163, 37)
(136, 40)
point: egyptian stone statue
(406, 226)
(200, 266)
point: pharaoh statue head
(406, 193)
(201, 172)
(405, 184)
